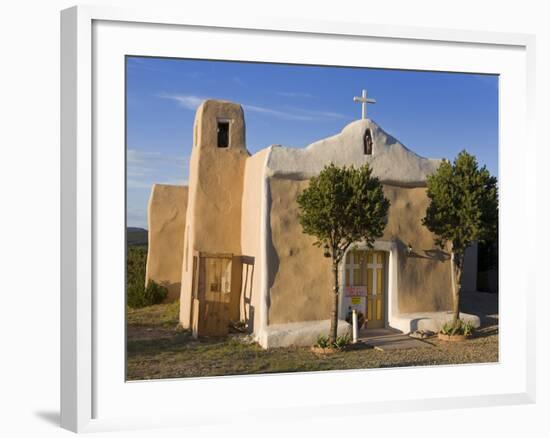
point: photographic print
(295, 218)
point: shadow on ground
(51, 417)
(157, 349)
(484, 305)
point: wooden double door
(365, 285)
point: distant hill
(136, 236)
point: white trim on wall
(265, 233)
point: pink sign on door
(356, 291)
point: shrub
(136, 260)
(447, 328)
(462, 328)
(322, 341)
(342, 341)
(467, 328)
(137, 295)
(142, 296)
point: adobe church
(231, 248)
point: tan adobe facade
(244, 255)
(166, 213)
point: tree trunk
(456, 272)
(334, 315)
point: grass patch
(157, 349)
(162, 315)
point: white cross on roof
(364, 100)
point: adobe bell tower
(216, 175)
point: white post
(354, 325)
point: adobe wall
(215, 191)
(166, 213)
(252, 243)
(216, 223)
(300, 283)
(424, 276)
(301, 278)
(187, 262)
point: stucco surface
(251, 239)
(166, 213)
(216, 208)
(302, 334)
(301, 278)
(300, 284)
(215, 190)
(430, 321)
(392, 162)
(424, 275)
(188, 252)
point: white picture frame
(93, 397)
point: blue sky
(434, 114)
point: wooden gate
(216, 290)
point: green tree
(463, 209)
(341, 206)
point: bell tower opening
(223, 133)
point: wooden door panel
(376, 289)
(366, 272)
(214, 295)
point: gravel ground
(157, 351)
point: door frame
(390, 290)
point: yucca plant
(322, 342)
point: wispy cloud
(147, 168)
(317, 115)
(294, 94)
(281, 114)
(186, 101)
(192, 102)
